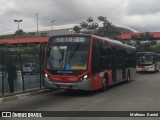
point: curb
(24, 95)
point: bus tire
(128, 77)
(104, 83)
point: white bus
(148, 62)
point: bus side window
(105, 57)
(95, 59)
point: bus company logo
(6, 114)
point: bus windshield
(145, 59)
(67, 55)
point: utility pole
(37, 23)
(18, 21)
(52, 25)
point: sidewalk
(23, 95)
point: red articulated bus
(87, 62)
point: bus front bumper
(148, 69)
(81, 85)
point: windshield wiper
(62, 56)
(74, 51)
(61, 59)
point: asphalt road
(141, 94)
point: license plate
(64, 87)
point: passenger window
(95, 59)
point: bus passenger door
(119, 64)
(119, 75)
(124, 66)
(114, 66)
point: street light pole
(18, 21)
(37, 23)
(52, 25)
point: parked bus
(148, 62)
(87, 62)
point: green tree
(102, 19)
(93, 26)
(144, 48)
(84, 26)
(142, 37)
(90, 20)
(76, 28)
(135, 37)
(106, 30)
(146, 36)
(156, 49)
(20, 32)
(89, 26)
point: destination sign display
(69, 39)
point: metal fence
(21, 71)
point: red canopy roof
(125, 36)
(24, 40)
(156, 34)
(128, 36)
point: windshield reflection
(145, 59)
(68, 56)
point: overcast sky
(141, 15)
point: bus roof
(112, 41)
(116, 42)
(74, 35)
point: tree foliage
(144, 48)
(145, 36)
(33, 49)
(20, 32)
(148, 48)
(76, 28)
(156, 49)
(102, 27)
(135, 37)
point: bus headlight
(46, 75)
(85, 77)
